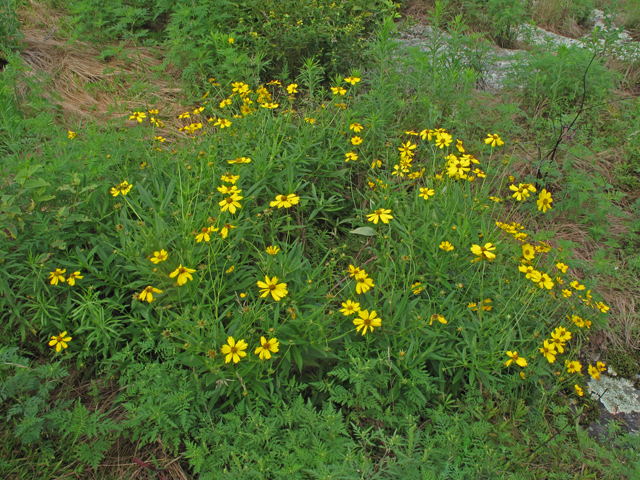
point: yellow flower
(602, 307)
(59, 341)
(515, 358)
(285, 201)
(437, 317)
(71, 135)
(267, 347)
(416, 288)
(231, 40)
(349, 308)
(548, 351)
(204, 234)
(406, 150)
(352, 80)
(272, 250)
(225, 102)
(123, 189)
(594, 372)
(230, 203)
(542, 279)
(222, 123)
(228, 190)
(56, 276)
(380, 214)
(73, 277)
(356, 140)
(353, 271)
(576, 285)
(230, 269)
(426, 134)
(562, 267)
(364, 283)
(339, 90)
(225, 230)
(351, 156)
(446, 246)
(573, 367)
(233, 350)
(484, 253)
(240, 160)
(443, 140)
(544, 201)
(160, 256)
(528, 252)
(229, 178)
(356, 127)
(292, 88)
(240, 88)
(271, 286)
(559, 337)
(147, 294)
(578, 390)
(566, 293)
(493, 139)
(183, 274)
(367, 320)
(139, 116)
(495, 199)
(376, 164)
(426, 193)
(311, 121)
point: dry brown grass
(554, 16)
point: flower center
(272, 287)
(283, 198)
(367, 322)
(230, 200)
(234, 350)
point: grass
(310, 277)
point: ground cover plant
(305, 278)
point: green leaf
(367, 231)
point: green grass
(426, 393)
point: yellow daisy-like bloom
(562, 267)
(183, 274)
(426, 134)
(578, 390)
(310, 120)
(494, 140)
(364, 283)
(272, 250)
(73, 277)
(122, 188)
(229, 189)
(542, 279)
(267, 347)
(416, 288)
(230, 203)
(356, 127)
(601, 366)
(406, 150)
(339, 90)
(225, 102)
(271, 286)
(528, 252)
(426, 193)
(349, 308)
(566, 293)
(351, 156)
(57, 276)
(240, 160)
(353, 271)
(269, 105)
(230, 269)
(160, 256)
(443, 140)
(147, 294)
(436, 317)
(573, 367)
(544, 201)
(356, 140)
(59, 341)
(139, 116)
(484, 253)
(285, 201)
(559, 337)
(376, 164)
(222, 123)
(576, 285)
(594, 372)
(204, 234)
(515, 358)
(381, 214)
(226, 228)
(528, 270)
(71, 135)
(446, 246)
(459, 145)
(548, 351)
(240, 88)
(352, 80)
(292, 88)
(233, 350)
(367, 320)
(229, 178)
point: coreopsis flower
(562, 267)
(310, 121)
(443, 140)
(528, 252)
(285, 201)
(566, 293)
(594, 372)
(437, 317)
(356, 127)
(240, 88)
(542, 280)
(228, 189)
(230, 203)
(601, 366)
(147, 294)
(548, 351)
(269, 105)
(353, 271)
(364, 283)
(515, 358)
(495, 199)
(543, 247)
(160, 256)
(573, 366)
(271, 286)
(267, 347)
(351, 156)
(122, 188)
(494, 140)
(578, 390)
(183, 115)
(446, 246)
(225, 102)
(183, 274)
(426, 134)
(139, 116)
(576, 285)
(376, 164)
(292, 88)
(417, 288)
(484, 253)
(71, 280)
(559, 337)
(226, 228)
(544, 201)
(356, 140)
(229, 178)
(239, 160)
(602, 307)
(381, 214)
(367, 320)
(352, 80)
(406, 150)
(234, 351)
(349, 308)
(71, 135)
(59, 341)
(55, 277)
(520, 192)
(459, 145)
(222, 123)
(204, 234)
(339, 90)
(230, 269)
